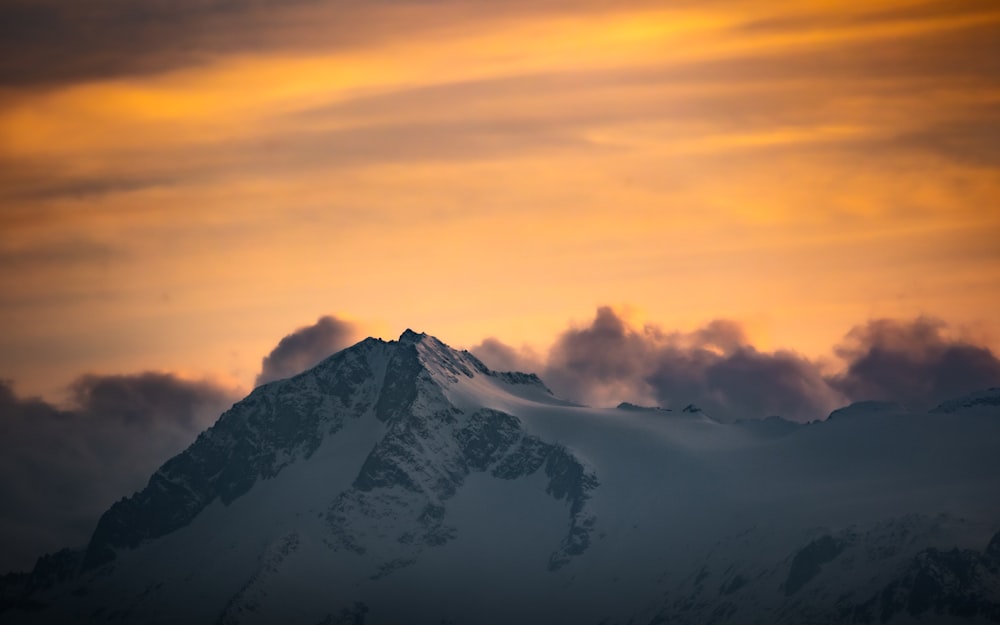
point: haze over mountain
(405, 481)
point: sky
(780, 205)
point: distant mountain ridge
(406, 482)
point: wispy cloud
(727, 152)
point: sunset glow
(182, 198)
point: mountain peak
(409, 336)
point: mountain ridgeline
(405, 482)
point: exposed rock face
(406, 481)
(809, 561)
(258, 437)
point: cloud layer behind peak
(917, 363)
(61, 467)
(306, 347)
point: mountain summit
(406, 482)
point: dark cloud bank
(306, 347)
(915, 363)
(912, 363)
(51, 42)
(61, 467)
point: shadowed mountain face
(405, 482)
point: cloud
(66, 252)
(45, 42)
(499, 356)
(714, 367)
(916, 363)
(305, 347)
(147, 399)
(601, 362)
(761, 384)
(61, 467)
(751, 90)
(109, 38)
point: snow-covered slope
(404, 482)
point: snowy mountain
(405, 482)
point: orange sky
(181, 199)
